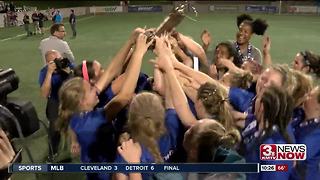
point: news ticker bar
(127, 168)
(144, 168)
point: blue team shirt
(252, 155)
(107, 94)
(96, 138)
(86, 126)
(275, 138)
(56, 81)
(240, 99)
(167, 143)
(308, 133)
(192, 108)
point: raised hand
(135, 33)
(266, 44)
(130, 151)
(141, 43)
(164, 53)
(213, 72)
(206, 38)
(51, 67)
(75, 149)
(7, 152)
(173, 42)
(223, 62)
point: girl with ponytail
(268, 125)
(208, 141)
(93, 128)
(154, 127)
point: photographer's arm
(46, 84)
(115, 67)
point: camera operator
(51, 78)
(55, 41)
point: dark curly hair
(242, 18)
(232, 52)
(259, 26)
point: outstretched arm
(195, 48)
(266, 44)
(178, 97)
(158, 83)
(206, 39)
(133, 70)
(115, 67)
(200, 77)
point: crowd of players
(220, 114)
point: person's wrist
(265, 52)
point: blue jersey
(96, 138)
(167, 143)
(192, 108)
(240, 99)
(252, 155)
(89, 127)
(308, 133)
(297, 117)
(143, 83)
(56, 81)
(122, 117)
(105, 96)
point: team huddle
(220, 114)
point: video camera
(23, 111)
(62, 63)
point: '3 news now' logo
(283, 152)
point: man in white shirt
(56, 42)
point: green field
(99, 37)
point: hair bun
(259, 26)
(230, 139)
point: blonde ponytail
(70, 95)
